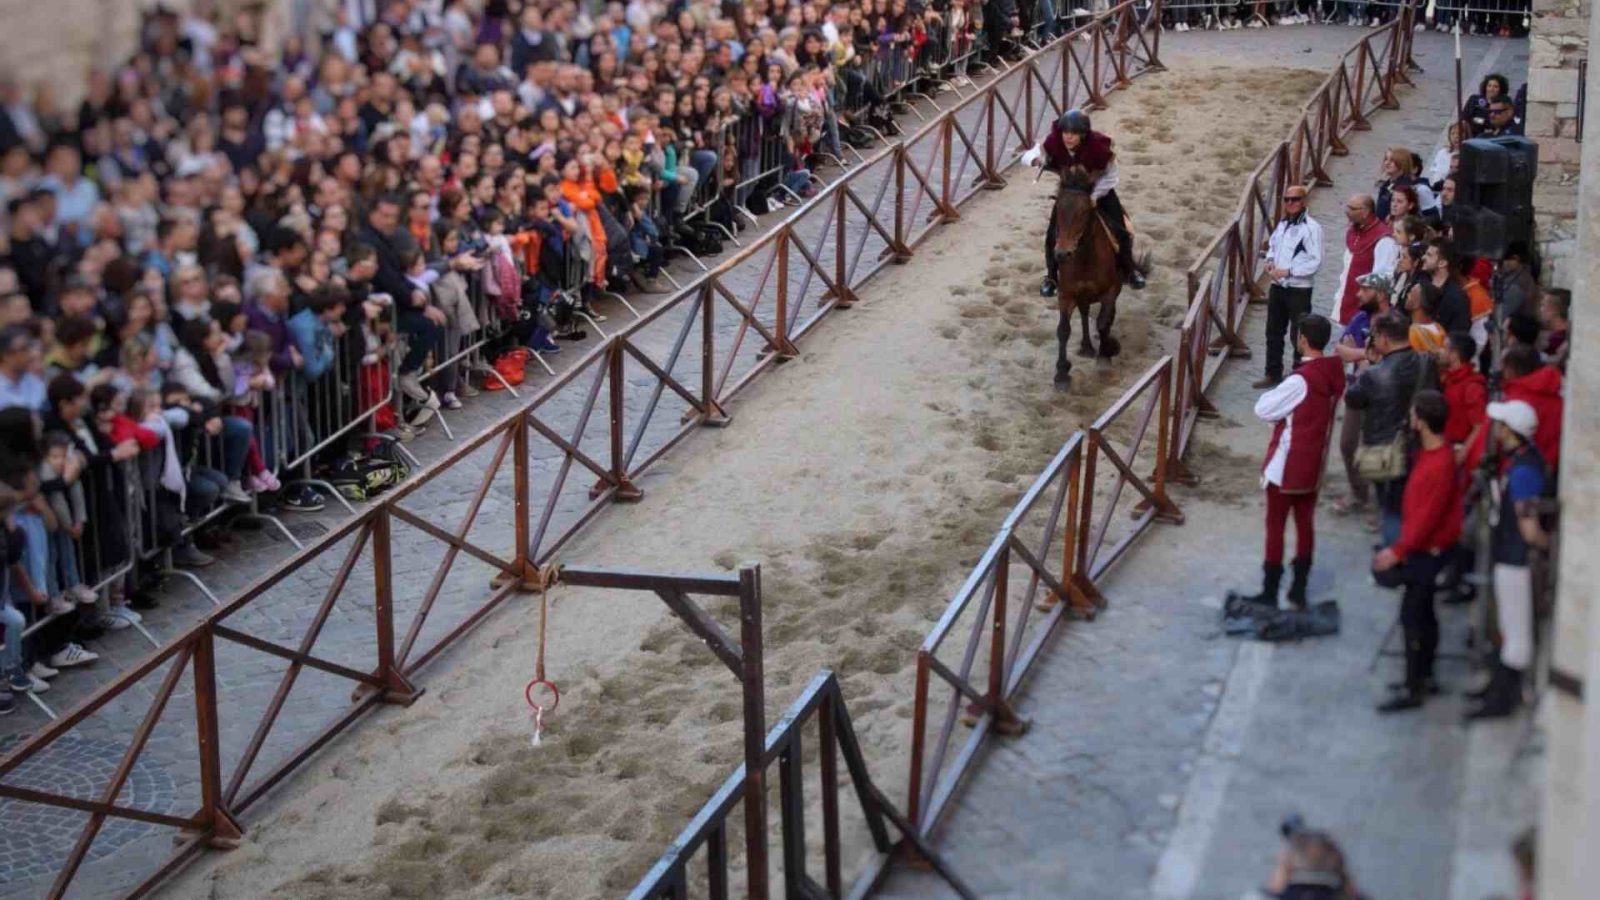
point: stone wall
(56, 42)
(1557, 43)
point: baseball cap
(1377, 281)
(1516, 415)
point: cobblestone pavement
(1163, 756)
(164, 779)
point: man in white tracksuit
(1294, 254)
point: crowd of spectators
(229, 266)
(1452, 404)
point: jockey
(1073, 143)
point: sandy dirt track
(864, 476)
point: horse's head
(1074, 211)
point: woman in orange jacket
(583, 183)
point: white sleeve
(1385, 256)
(1031, 156)
(1306, 265)
(1279, 402)
(1278, 231)
(1107, 182)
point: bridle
(1061, 227)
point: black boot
(1131, 276)
(1297, 587)
(1502, 698)
(1248, 604)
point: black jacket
(1384, 390)
(1455, 310)
(391, 278)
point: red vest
(1360, 243)
(1308, 425)
(1094, 153)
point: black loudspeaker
(1494, 194)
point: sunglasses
(1289, 199)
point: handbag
(1378, 463)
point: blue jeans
(798, 181)
(63, 570)
(11, 651)
(705, 162)
(236, 435)
(1389, 526)
(36, 556)
(204, 487)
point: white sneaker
(82, 595)
(412, 387)
(234, 492)
(40, 670)
(126, 612)
(36, 685)
(60, 606)
(112, 623)
(71, 656)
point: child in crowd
(60, 482)
(252, 375)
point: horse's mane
(1076, 178)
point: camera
(1291, 825)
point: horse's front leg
(1063, 334)
(1109, 346)
(1086, 346)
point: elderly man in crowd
(1369, 246)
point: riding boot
(1297, 587)
(1131, 276)
(1248, 604)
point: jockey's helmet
(1074, 121)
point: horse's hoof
(1086, 351)
(1110, 348)
(1063, 381)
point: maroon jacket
(1360, 244)
(1308, 425)
(1094, 154)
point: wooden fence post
(214, 819)
(397, 688)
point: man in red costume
(1301, 409)
(1072, 142)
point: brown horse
(1086, 271)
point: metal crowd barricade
(758, 141)
(94, 567)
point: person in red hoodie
(1466, 393)
(1301, 409)
(1525, 377)
(1430, 526)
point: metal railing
(822, 702)
(1050, 551)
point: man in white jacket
(1294, 254)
